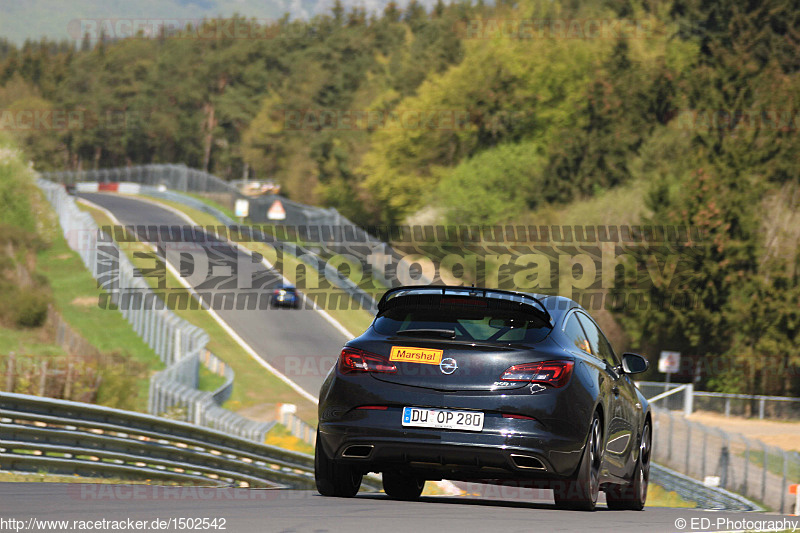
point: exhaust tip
(358, 451)
(527, 462)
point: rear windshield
(470, 325)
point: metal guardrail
(178, 343)
(66, 437)
(776, 407)
(729, 404)
(76, 438)
(706, 497)
(736, 462)
(298, 427)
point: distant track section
(298, 342)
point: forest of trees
(699, 104)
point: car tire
(581, 492)
(402, 487)
(333, 478)
(633, 495)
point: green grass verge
(774, 463)
(76, 296)
(28, 342)
(208, 380)
(211, 203)
(253, 384)
(279, 436)
(618, 206)
(658, 496)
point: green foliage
(16, 189)
(120, 378)
(27, 308)
(622, 105)
(25, 295)
(201, 100)
(494, 186)
(745, 320)
(311, 130)
(37, 270)
(503, 91)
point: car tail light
(353, 360)
(373, 407)
(554, 373)
(518, 417)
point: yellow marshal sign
(408, 354)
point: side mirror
(633, 363)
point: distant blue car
(285, 296)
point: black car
(285, 296)
(485, 385)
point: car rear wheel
(333, 478)
(634, 495)
(581, 492)
(401, 486)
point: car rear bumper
(505, 449)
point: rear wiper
(429, 332)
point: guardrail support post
(783, 482)
(669, 437)
(688, 446)
(703, 462)
(150, 397)
(688, 399)
(761, 404)
(764, 473)
(746, 465)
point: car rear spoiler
(433, 295)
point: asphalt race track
(300, 343)
(252, 510)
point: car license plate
(442, 419)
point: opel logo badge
(448, 365)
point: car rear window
(470, 325)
